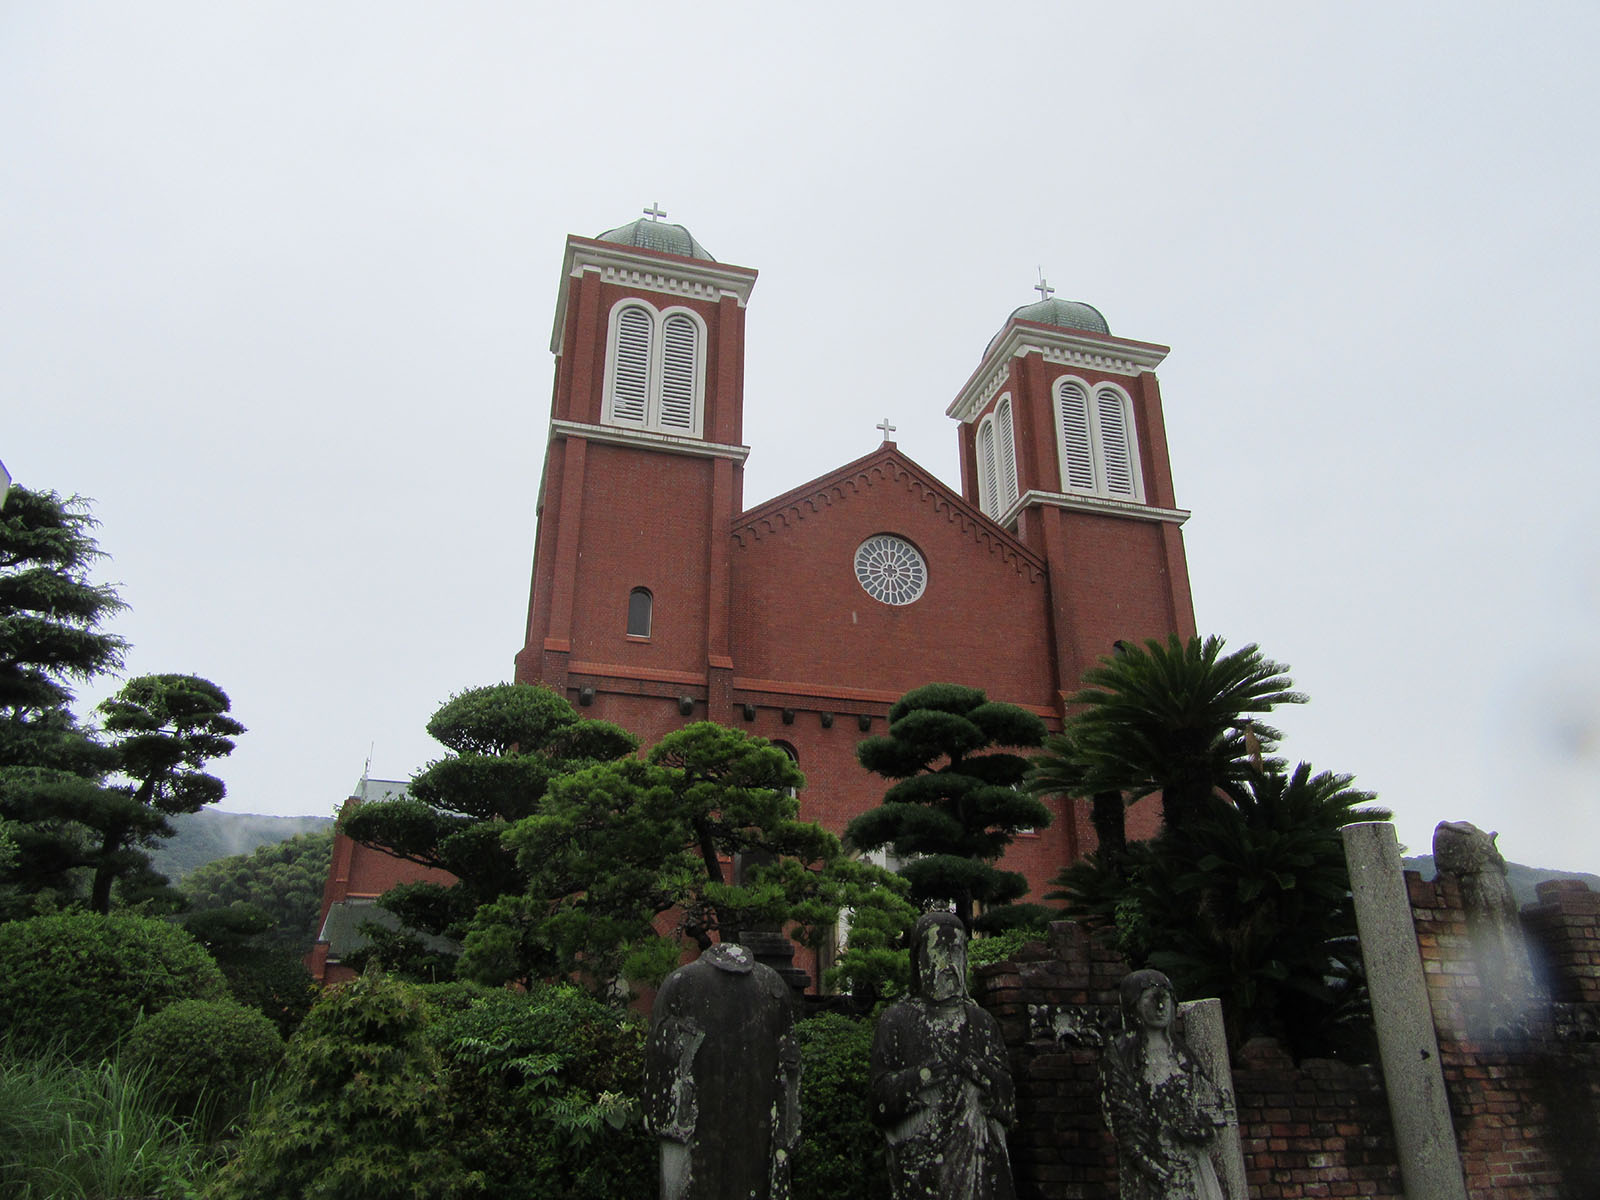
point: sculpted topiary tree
(956, 804)
(507, 743)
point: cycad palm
(1170, 717)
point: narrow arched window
(679, 353)
(1116, 442)
(1077, 453)
(1006, 455)
(987, 478)
(630, 376)
(640, 604)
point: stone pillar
(1203, 1031)
(1430, 1165)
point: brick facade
(759, 620)
(1526, 1109)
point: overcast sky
(279, 280)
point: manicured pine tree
(957, 803)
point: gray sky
(279, 281)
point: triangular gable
(885, 465)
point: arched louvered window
(1096, 438)
(987, 478)
(1006, 453)
(678, 372)
(630, 367)
(655, 371)
(641, 606)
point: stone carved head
(1148, 1001)
(939, 957)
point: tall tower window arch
(1097, 441)
(641, 611)
(655, 369)
(997, 461)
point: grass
(96, 1131)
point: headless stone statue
(1159, 1103)
(941, 1084)
(722, 1079)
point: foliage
(1252, 905)
(202, 838)
(262, 973)
(204, 1056)
(360, 1110)
(543, 1086)
(617, 847)
(165, 728)
(50, 616)
(81, 980)
(1000, 947)
(284, 880)
(74, 1129)
(841, 1153)
(1166, 717)
(952, 820)
(507, 743)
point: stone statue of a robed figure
(941, 1083)
(722, 1079)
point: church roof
(648, 234)
(1063, 314)
(885, 464)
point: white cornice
(645, 439)
(1071, 347)
(698, 279)
(1102, 505)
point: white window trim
(656, 370)
(997, 487)
(1094, 391)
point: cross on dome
(1044, 289)
(654, 211)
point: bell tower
(643, 472)
(1063, 442)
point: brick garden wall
(1526, 1108)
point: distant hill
(1522, 879)
(207, 835)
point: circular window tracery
(891, 569)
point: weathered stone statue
(722, 1079)
(941, 1084)
(1469, 855)
(1159, 1103)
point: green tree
(698, 841)
(165, 729)
(360, 1111)
(51, 615)
(1251, 905)
(957, 804)
(1173, 717)
(50, 625)
(507, 743)
(284, 880)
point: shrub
(543, 1087)
(1000, 947)
(841, 1153)
(204, 1055)
(81, 980)
(360, 1110)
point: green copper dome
(657, 235)
(1064, 314)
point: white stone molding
(1089, 351)
(1103, 505)
(619, 435)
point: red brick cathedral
(659, 599)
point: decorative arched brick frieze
(786, 511)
